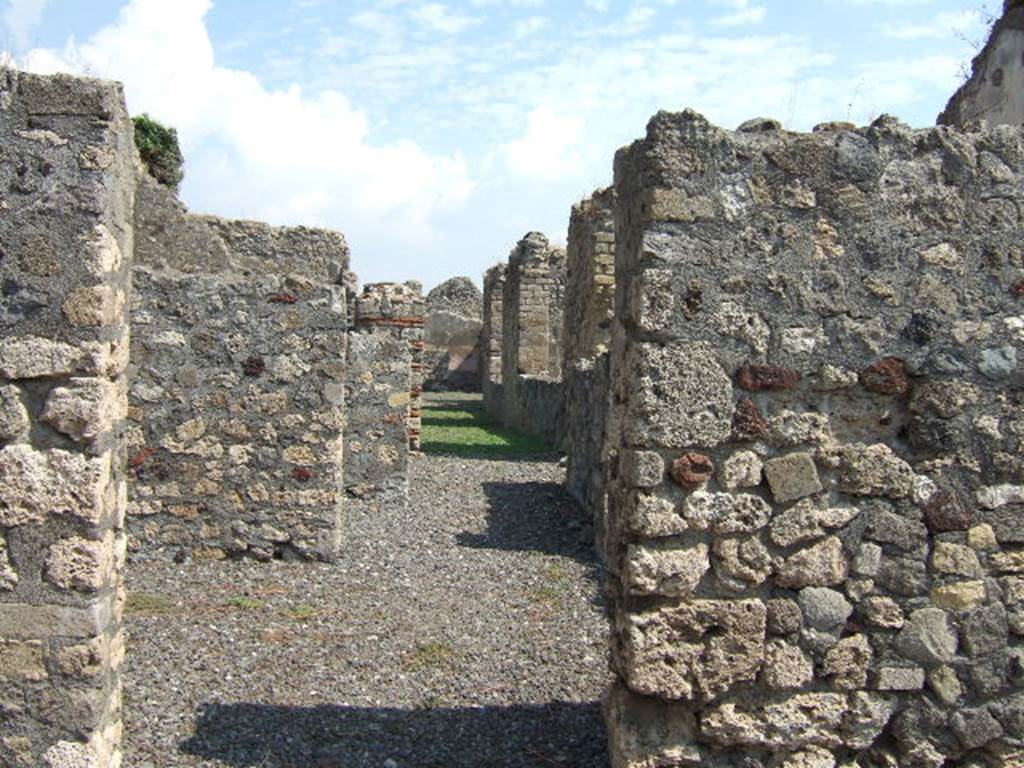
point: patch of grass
(548, 593)
(462, 428)
(245, 602)
(301, 611)
(139, 603)
(427, 655)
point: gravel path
(465, 631)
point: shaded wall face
(451, 335)
(589, 298)
(816, 509)
(238, 395)
(492, 335)
(995, 90)
(67, 174)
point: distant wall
(815, 516)
(491, 336)
(385, 388)
(587, 320)
(451, 336)
(995, 90)
(67, 174)
(237, 398)
(532, 296)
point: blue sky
(435, 134)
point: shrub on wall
(159, 150)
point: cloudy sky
(435, 134)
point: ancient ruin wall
(67, 175)
(587, 320)
(385, 388)
(237, 398)
(532, 396)
(491, 337)
(995, 90)
(817, 507)
(451, 336)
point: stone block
(665, 569)
(822, 565)
(695, 651)
(792, 477)
(34, 484)
(808, 520)
(928, 637)
(648, 733)
(874, 470)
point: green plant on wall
(159, 150)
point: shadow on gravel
(532, 517)
(522, 736)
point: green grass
(301, 611)
(461, 427)
(245, 603)
(427, 655)
(140, 603)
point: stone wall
(237, 397)
(587, 320)
(451, 335)
(816, 515)
(67, 177)
(532, 296)
(995, 90)
(491, 336)
(384, 392)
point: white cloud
(21, 17)
(944, 25)
(282, 155)
(549, 149)
(437, 18)
(529, 26)
(742, 13)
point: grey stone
(784, 617)
(14, 421)
(900, 679)
(985, 630)
(975, 727)
(927, 637)
(998, 362)
(824, 609)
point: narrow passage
(467, 630)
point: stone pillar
(815, 532)
(587, 319)
(491, 338)
(67, 171)
(398, 310)
(531, 338)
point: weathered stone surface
(874, 470)
(985, 630)
(824, 609)
(955, 559)
(960, 596)
(900, 679)
(975, 727)
(688, 403)
(822, 565)
(726, 513)
(20, 661)
(34, 484)
(647, 468)
(928, 637)
(84, 409)
(741, 470)
(808, 520)
(784, 617)
(998, 496)
(665, 569)
(741, 563)
(847, 663)
(748, 423)
(800, 720)
(883, 612)
(8, 576)
(792, 477)
(945, 684)
(786, 666)
(757, 377)
(648, 733)
(14, 421)
(946, 511)
(80, 564)
(695, 650)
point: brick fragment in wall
(870, 391)
(67, 238)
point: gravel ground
(466, 631)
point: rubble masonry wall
(587, 321)
(816, 512)
(237, 395)
(67, 181)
